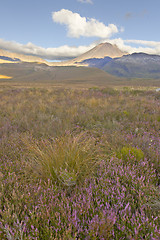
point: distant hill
(32, 72)
(136, 65)
(10, 59)
(97, 62)
(6, 56)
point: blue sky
(66, 28)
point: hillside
(136, 65)
(97, 62)
(100, 51)
(6, 56)
(32, 72)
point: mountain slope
(100, 51)
(6, 56)
(136, 65)
(97, 62)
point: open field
(79, 161)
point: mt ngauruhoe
(100, 51)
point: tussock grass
(67, 160)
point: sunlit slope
(5, 77)
(100, 51)
(16, 57)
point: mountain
(8, 57)
(97, 62)
(100, 51)
(136, 65)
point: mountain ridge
(19, 57)
(135, 65)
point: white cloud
(78, 26)
(144, 42)
(150, 47)
(59, 53)
(85, 1)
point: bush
(128, 153)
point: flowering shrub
(129, 153)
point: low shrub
(130, 153)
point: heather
(79, 163)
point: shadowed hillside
(6, 56)
(137, 65)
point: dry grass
(67, 160)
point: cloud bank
(60, 53)
(150, 47)
(67, 52)
(78, 26)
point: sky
(63, 29)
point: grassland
(79, 163)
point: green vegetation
(126, 154)
(79, 163)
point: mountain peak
(100, 51)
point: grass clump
(66, 160)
